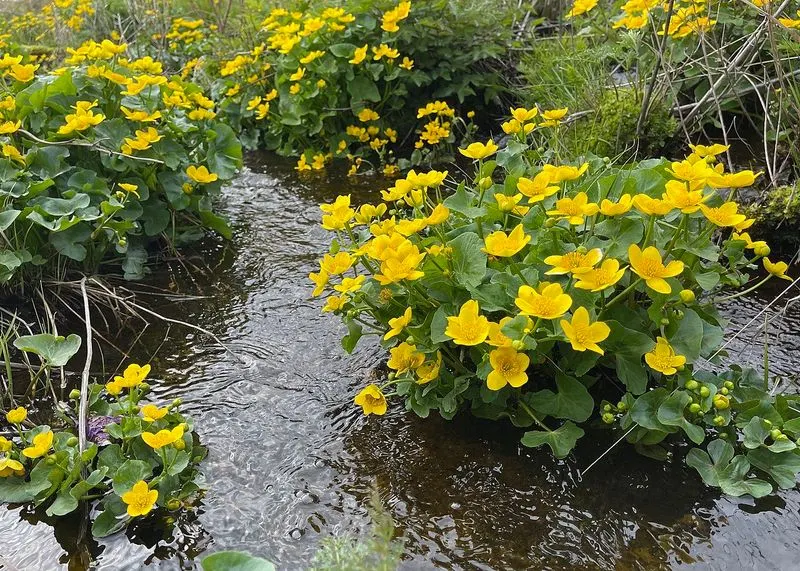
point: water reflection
(292, 460)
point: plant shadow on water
(292, 459)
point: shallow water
(292, 460)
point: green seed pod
(719, 420)
(664, 321)
(679, 314)
(694, 408)
(608, 418)
(518, 344)
(74, 394)
(687, 296)
(173, 505)
(122, 242)
(692, 385)
(72, 441)
(704, 392)
(775, 433)
(729, 385)
(621, 406)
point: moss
(778, 217)
(611, 130)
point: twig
(73, 143)
(84, 401)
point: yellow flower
(140, 115)
(338, 264)
(777, 269)
(509, 203)
(538, 188)
(564, 172)
(113, 388)
(407, 63)
(496, 336)
(581, 7)
(547, 303)
(23, 73)
(397, 324)
(733, 180)
(478, 151)
(334, 303)
(508, 368)
(663, 358)
(469, 327)
(320, 281)
(41, 445)
(574, 210)
(608, 208)
(359, 55)
(429, 370)
(401, 264)
(651, 206)
(152, 413)
(553, 117)
(505, 245)
(439, 214)
(129, 188)
(724, 215)
(12, 153)
(132, 376)
(201, 174)
(404, 358)
(583, 334)
(703, 151)
(298, 75)
(679, 196)
(163, 437)
(371, 400)
(575, 262)
(140, 499)
(350, 285)
(384, 50)
(598, 279)
(17, 415)
(649, 266)
(396, 14)
(523, 115)
(8, 127)
(367, 115)
(9, 466)
(5, 444)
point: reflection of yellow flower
(505, 245)
(575, 262)
(649, 266)
(508, 368)
(583, 334)
(140, 499)
(777, 269)
(663, 358)
(40, 446)
(163, 437)
(468, 327)
(547, 303)
(479, 151)
(371, 400)
(397, 324)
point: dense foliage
(552, 293)
(102, 157)
(138, 457)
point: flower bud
(687, 296)
(664, 321)
(724, 391)
(694, 408)
(608, 418)
(72, 441)
(485, 183)
(721, 402)
(173, 505)
(518, 344)
(550, 222)
(704, 392)
(176, 403)
(621, 406)
(692, 385)
(144, 388)
(607, 408)
(581, 249)
(762, 251)
(729, 385)
(74, 394)
(719, 420)
(679, 314)
(122, 242)
(681, 368)
(775, 433)
(50, 461)
(391, 376)
(180, 444)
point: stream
(292, 460)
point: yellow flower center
(650, 268)
(509, 368)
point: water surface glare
(292, 460)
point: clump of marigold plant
(559, 294)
